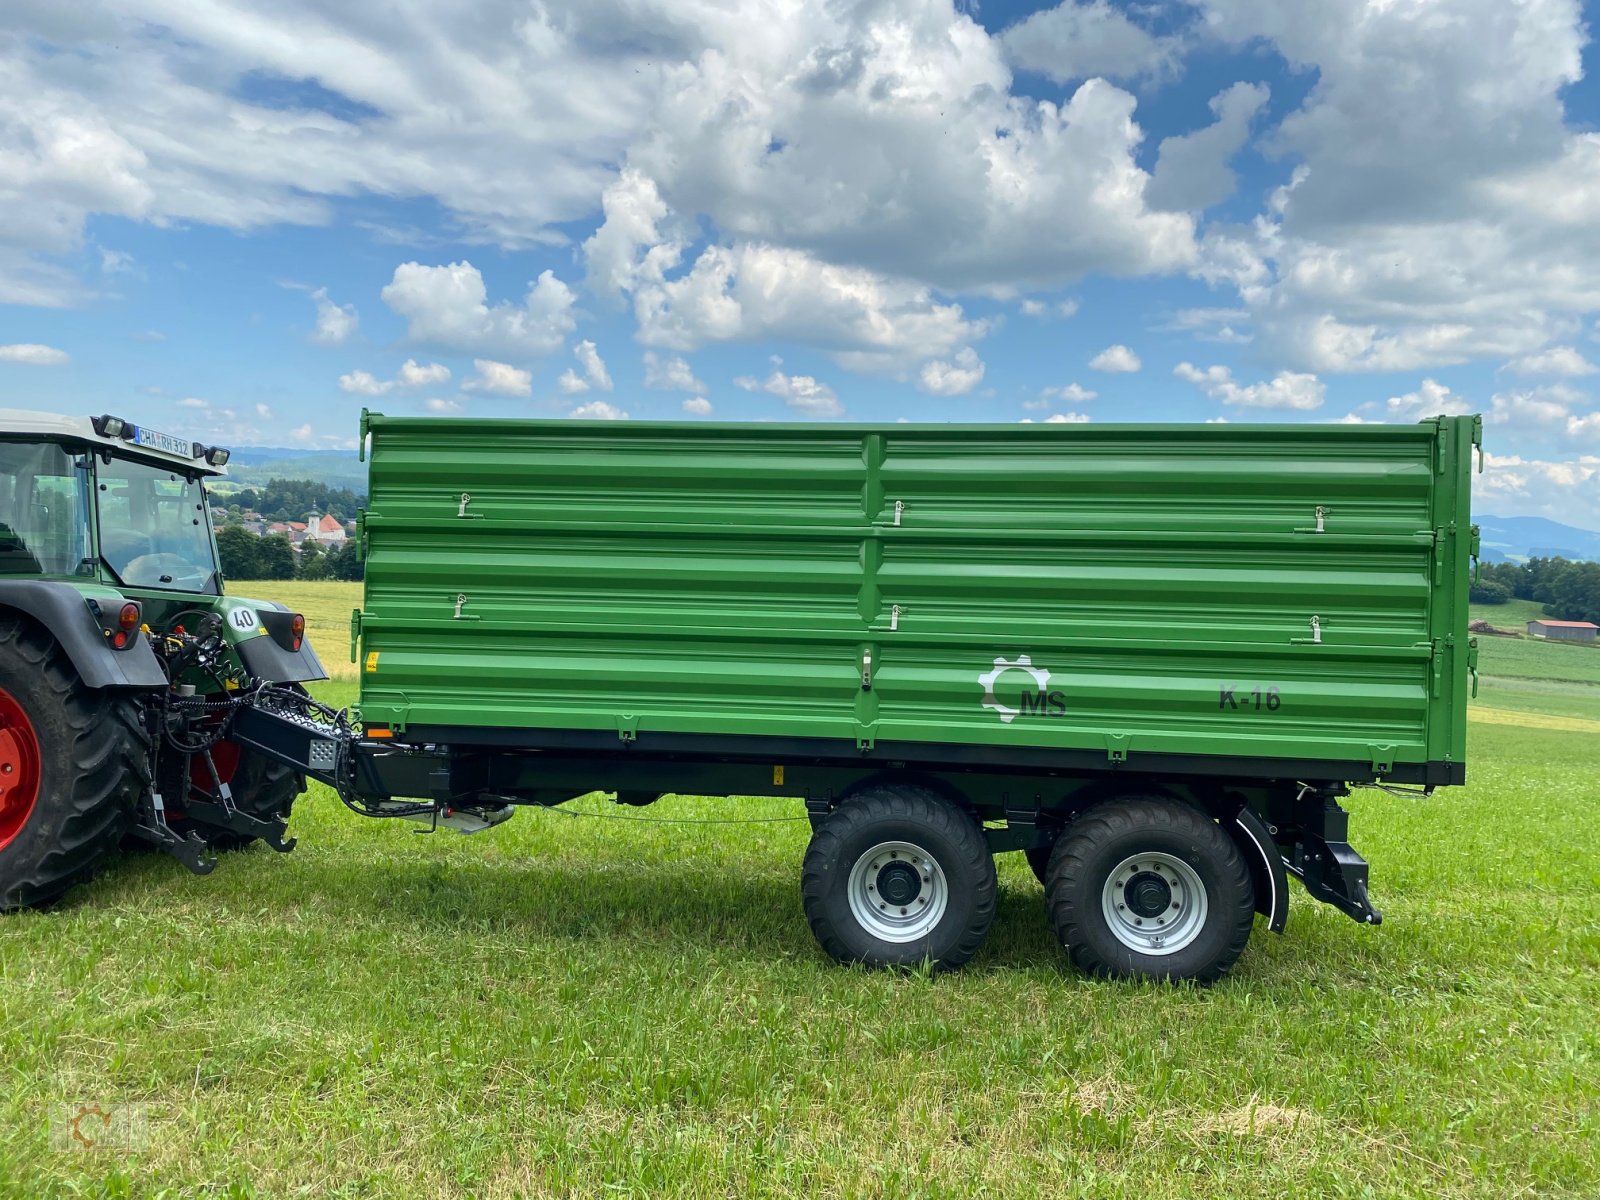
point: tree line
(1569, 591)
(272, 556)
(292, 499)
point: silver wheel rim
(888, 902)
(1154, 903)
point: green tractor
(122, 662)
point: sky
(246, 221)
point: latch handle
(466, 499)
(1316, 635)
(461, 599)
(1321, 514)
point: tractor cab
(106, 500)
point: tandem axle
(1274, 828)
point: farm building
(1564, 631)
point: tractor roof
(160, 448)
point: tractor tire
(897, 876)
(74, 762)
(1150, 888)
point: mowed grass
(577, 1006)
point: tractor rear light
(128, 618)
(120, 639)
(297, 629)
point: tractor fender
(1267, 873)
(260, 653)
(63, 610)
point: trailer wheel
(896, 876)
(73, 763)
(1150, 888)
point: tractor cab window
(154, 530)
(44, 513)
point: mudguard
(260, 653)
(1267, 871)
(63, 609)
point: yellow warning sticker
(777, 776)
(372, 661)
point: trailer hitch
(218, 811)
(189, 849)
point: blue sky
(251, 220)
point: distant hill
(255, 465)
(1517, 539)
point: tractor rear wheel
(74, 761)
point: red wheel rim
(19, 768)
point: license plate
(156, 440)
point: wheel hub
(1148, 895)
(19, 768)
(899, 882)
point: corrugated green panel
(1160, 583)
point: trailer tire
(897, 876)
(79, 761)
(1131, 877)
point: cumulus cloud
(755, 291)
(364, 383)
(1115, 360)
(953, 378)
(193, 402)
(1431, 399)
(1286, 389)
(594, 374)
(1545, 487)
(448, 307)
(335, 322)
(440, 405)
(800, 392)
(669, 373)
(1045, 310)
(1066, 418)
(1431, 216)
(598, 410)
(499, 379)
(34, 355)
(697, 407)
(1192, 171)
(1080, 40)
(1072, 393)
(413, 374)
(1557, 360)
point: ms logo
(1010, 675)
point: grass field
(577, 1006)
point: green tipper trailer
(1152, 657)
